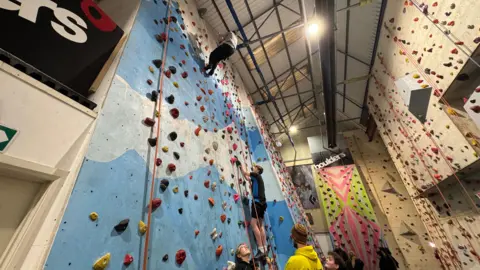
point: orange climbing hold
(202, 108)
(219, 250)
(211, 162)
(223, 217)
(197, 232)
(210, 91)
(197, 130)
(211, 201)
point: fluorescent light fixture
(293, 129)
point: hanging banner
(69, 41)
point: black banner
(68, 40)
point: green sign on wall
(6, 136)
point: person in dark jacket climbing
(242, 258)
(259, 206)
(355, 263)
(226, 49)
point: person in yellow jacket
(305, 257)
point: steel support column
(326, 10)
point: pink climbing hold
(235, 146)
(236, 197)
(434, 150)
(229, 130)
(437, 176)
(233, 160)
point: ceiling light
(431, 244)
(293, 129)
(313, 28)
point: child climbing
(259, 206)
(225, 50)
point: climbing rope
(159, 102)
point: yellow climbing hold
(281, 218)
(475, 154)
(474, 142)
(424, 86)
(175, 84)
(151, 69)
(157, 113)
(407, 61)
(175, 190)
(102, 262)
(142, 228)
(93, 216)
(174, 58)
(165, 149)
(451, 111)
(416, 76)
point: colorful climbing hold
(206, 183)
(164, 184)
(157, 63)
(165, 258)
(93, 216)
(223, 217)
(171, 167)
(156, 202)
(219, 250)
(150, 82)
(175, 84)
(149, 122)
(211, 201)
(102, 262)
(165, 149)
(122, 225)
(236, 197)
(197, 130)
(281, 218)
(142, 228)
(180, 256)
(128, 259)
(174, 113)
(195, 197)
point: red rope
(159, 101)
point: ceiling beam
(345, 63)
(260, 15)
(279, 126)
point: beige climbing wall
(431, 43)
(397, 215)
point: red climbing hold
(149, 82)
(235, 146)
(434, 150)
(182, 144)
(197, 130)
(206, 184)
(202, 108)
(174, 113)
(211, 201)
(195, 197)
(197, 232)
(454, 51)
(128, 259)
(452, 23)
(437, 176)
(172, 167)
(229, 130)
(435, 21)
(182, 46)
(434, 4)
(180, 256)
(158, 162)
(475, 108)
(223, 217)
(233, 160)
(156, 203)
(211, 162)
(184, 74)
(236, 197)
(168, 73)
(219, 250)
(149, 122)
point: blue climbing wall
(115, 178)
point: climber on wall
(259, 206)
(226, 49)
(305, 256)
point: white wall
(16, 198)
